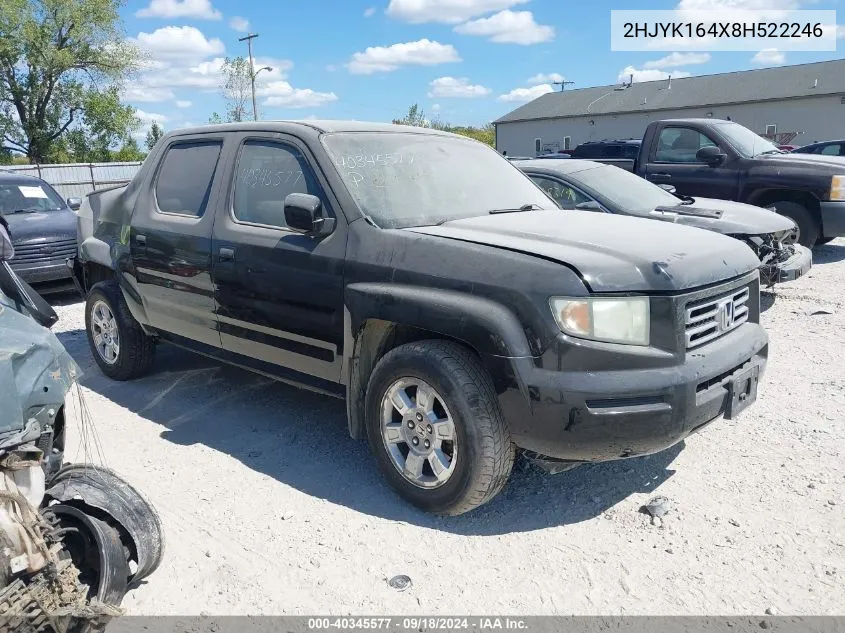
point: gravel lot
(270, 508)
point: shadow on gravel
(300, 439)
(828, 254)
(767, 299)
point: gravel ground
(270, 508)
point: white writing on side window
(32, 192)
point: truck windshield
(23, 196)
(748, 144)
(405, 179)
(622, 189)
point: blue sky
(463, 61)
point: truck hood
(41, 226)
(611, 253)
(725, 216)
(830, 164)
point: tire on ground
(485, 453)
(808, 226)
(136, 349)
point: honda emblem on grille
(725, 314)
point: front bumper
(42, 271)
(833, 218)
(796, 266)
(605, 415)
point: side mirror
(304, 214)
(710, 155)
(74, 203)
(667, 187)
(590, 205)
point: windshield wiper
(23, 211)
(686, 200)
(772, 151)
(524, 207)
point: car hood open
(611, 253)
(725, 216)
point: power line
(563, 84)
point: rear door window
(185, 176)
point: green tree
(237, 89)
(215, 119)
(155, 133)
(415, 117)
(62, 63)
(129, 151)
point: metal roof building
(792, 104)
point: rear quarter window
(185, 176)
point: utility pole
(563, 84)
(252, 73)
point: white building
(793, 105)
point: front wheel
(434, 424)
(808, 226)
(119, 345)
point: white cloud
(181, 103)
(435, 107)
(239, 24)
(178, 42)
(137, 92)
(678, 59)
(509, 27)
(769, 56)
(282, 94)
(648, 74)
(445, 11)
(545, 79)
(150, 117)
(200, 9)
(523, 95)
(457, 87)
(370, 12)
(388, 58)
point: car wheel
(808, 226)
(434, 424)
(119, 345)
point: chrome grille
(59, 249)
(710, 318)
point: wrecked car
(592, 186)
(74, 537)
(424, 279)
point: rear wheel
(119, 345)
(808, 226)
(435, 427)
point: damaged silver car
(592, 186)
(73, 537)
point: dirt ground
(270, 508)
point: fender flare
(487, 327)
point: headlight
(610, 319)
(837, 188)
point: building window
(538, 145)
(567, 142)
(771, 130)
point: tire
(480, 454)
(808, 226)
(134, 351)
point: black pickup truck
(426, 280)
(714, 158)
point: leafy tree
(61, 66)
(155, 133)
(129, 151)
(415, 117)
(215, 119)
(237, 89)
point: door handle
(141, 240)
(226, 254)
(661, 175)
